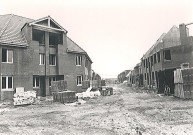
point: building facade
(36, 52)
(122, 76)
(167, 54)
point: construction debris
(90, 93)
(23, 98)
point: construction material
(107, 91)
(90, 93)
(64, 97)
(24, 98)
(57, 86)
(183, 80)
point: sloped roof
(11, 34)
(50, 19)
(10, 30)
(155, 45)
(165, 36)
(72, 47)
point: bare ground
(118, 114)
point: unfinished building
(36, 52)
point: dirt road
(118, 114)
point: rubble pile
(23, 98)
(90, 93)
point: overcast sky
(115, 33)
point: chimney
(184, 33)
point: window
(147, 78)
(38, 35)
(55, 39)
(143, 63)
(151, 60)
(158, 57)
(79, 80)
(146, 63)
(86, 63)
(167, 55)
(36, 82)
(51, 79)
(7, 82)
(154, 57)
(42, 59)
(52, 59)
(7, 56)
(153, 76)
(78, 60)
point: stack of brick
(57, 86)
(23, 98)
(106, 91)
(183, 80)
(60, 92)
(65, 97)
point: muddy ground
(118, 114)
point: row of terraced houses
(172, 50)
(36, 52)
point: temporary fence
(183, 80)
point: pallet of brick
(178, 76)
(103, 91)
(54, 86)
(62, 85)
(179, 91)
(187, 75)
(64, 97)
(110, 90)
(57, 86)
(71, 96)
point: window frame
(35, 77)
(52, 79)
(7, 83)
(164, 53)
(155, 58)
(78, 60)
(77, 80)
(158, 57)
(38, 35)
(52, 59)
(7, 56)
(42, 55)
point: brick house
(168, 53)
(122, 76)
(36, 52)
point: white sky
(115, 33)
